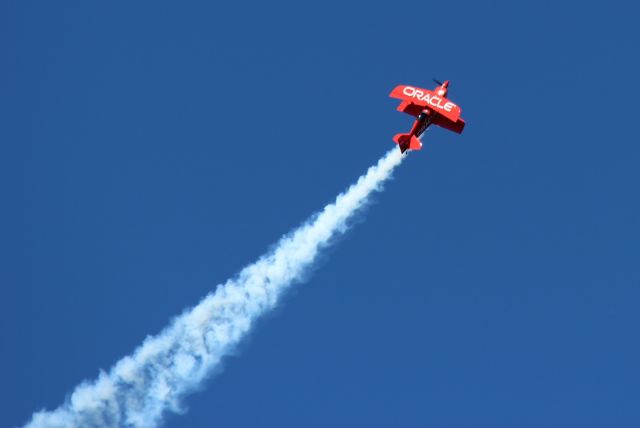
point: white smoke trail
(138, 390)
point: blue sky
(150, 150)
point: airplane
(429, 108)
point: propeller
(437, 81)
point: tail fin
(407, 142)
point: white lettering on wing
(433, 101)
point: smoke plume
(140, 388)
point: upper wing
(427, 98)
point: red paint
(429, 107)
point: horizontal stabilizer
(407, 142)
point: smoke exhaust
(140, 388)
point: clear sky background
(149, 150)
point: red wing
(427, 98)
(408, 93)
(410, 108)
(445, 123)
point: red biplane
(429, 108)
